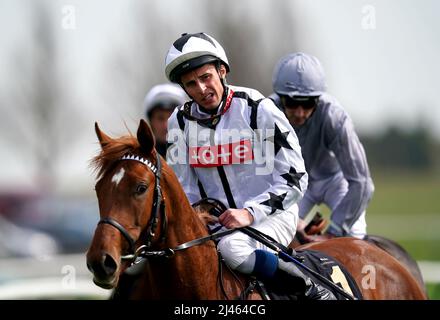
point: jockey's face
(298, 116)
(159, 121)
(296, 111)
(204, 86)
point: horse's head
(129, 199)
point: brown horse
(318, 223)
(144, 209)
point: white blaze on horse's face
(118, 176)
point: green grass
(405, 193)
(422, 249)
(433, 291)
(406, 207)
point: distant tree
(253, 46)
(253, 43)
(32, 120)
(136, 67)
(398, 149)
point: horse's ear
(102, 137)
(145, 137)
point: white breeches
(236, 247)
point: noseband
(158, 206)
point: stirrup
(318, 292)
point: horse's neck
(185, 225)
(191, 272)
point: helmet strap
(181, 85)
(224, 85)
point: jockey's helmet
(299, 75)
(190, 51)
(165, 96)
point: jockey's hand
(301, 235)
(306, 237)
(316, 225)
(236, 218)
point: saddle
(325, 266)
(317, 261)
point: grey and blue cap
(299, 75)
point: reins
(282, 251)
(158, 209)
(169, 252)
(143, 252)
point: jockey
(159, 104)
(334, 157)
(232, 144)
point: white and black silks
(247, 155)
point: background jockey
(159, 104)
(231, 144)
(334, 157)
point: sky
(380, 59)
(383, 74)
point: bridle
(143, 251)
(157, 208)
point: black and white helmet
(300, 75)
(191, 51)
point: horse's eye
(141, 189)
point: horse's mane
(114, 150)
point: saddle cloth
(324, 265)
(315, 260)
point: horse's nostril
(103, 268)
(109, 265)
